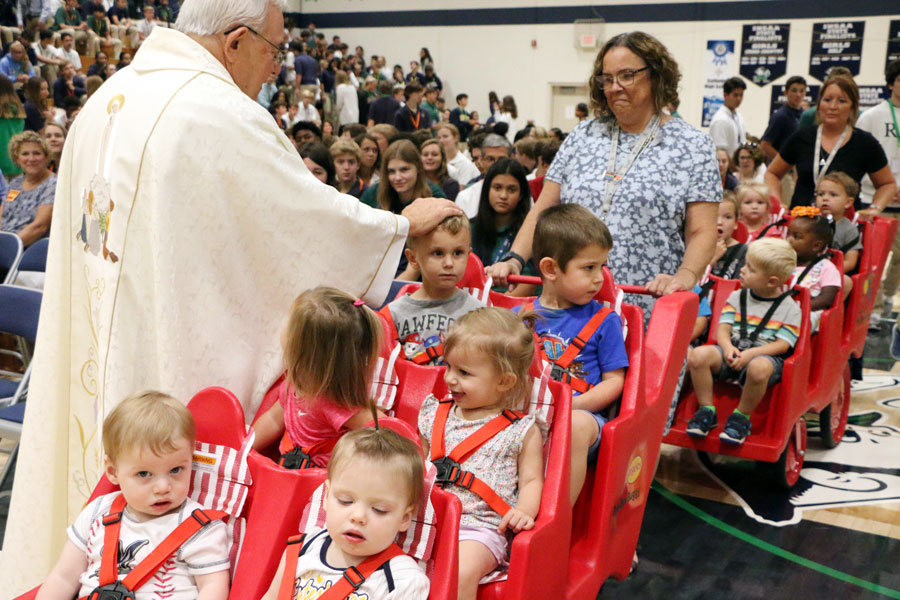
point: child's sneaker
(737, 428)
(703, 421)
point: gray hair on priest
(210, 17)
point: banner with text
(720, 65)
(893, 45)
(836, 44)
(764, 52)
(870, 95)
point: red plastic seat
(605, 532)
(219, 419)
(775, 417)
(276, 513)
(877, 237)
(537, 556)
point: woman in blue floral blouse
(651, 178)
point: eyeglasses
(624, 78)
(280, 53)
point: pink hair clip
(358, 302)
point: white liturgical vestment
(185, 224)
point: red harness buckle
(112, 518)
(354, 577)
(201, 517)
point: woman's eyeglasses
(624, 77)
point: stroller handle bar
(530, 280)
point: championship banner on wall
(836, 44)
(893, 45)
(870, 95)
(779, 97)
(764, 52)
(720, 65)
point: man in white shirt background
(727, 126)
(882, 122)
(67, 50)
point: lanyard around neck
(613, 176)
(414, 120)
(820, 170)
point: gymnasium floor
(716, 530)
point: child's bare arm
(851, 257)
(359, 420)
(269, 427)
(213, 586)
(63, 581)
(699, 327)
(723, 337)
(531, 484)
(272, 592)
(825, 298)
(603, 394)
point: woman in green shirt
(12, 121)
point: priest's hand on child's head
(424, 214)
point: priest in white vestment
(185, 223)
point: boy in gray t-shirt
(421, 319)
(759, 325)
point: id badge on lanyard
(612, 177)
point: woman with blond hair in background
(28, 205)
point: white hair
(210, 17)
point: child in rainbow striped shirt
(758, 328)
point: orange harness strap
(112, 522)
(448, 465)
(428, 354)
(353, 577)
(576, 345)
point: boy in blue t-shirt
(570, 248)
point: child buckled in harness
(449, 466)
(110, 588)
(331, 349)
(168, 544)
(373, 489)
(496, 464)
(561, 369)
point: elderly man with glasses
(185, 225)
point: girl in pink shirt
(331, 344)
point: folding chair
(31, 269)
(10, 255)
(19, 311)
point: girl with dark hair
(36, 91)
(505, 201)
(425, 58)
(317, 159)
(509, 114)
